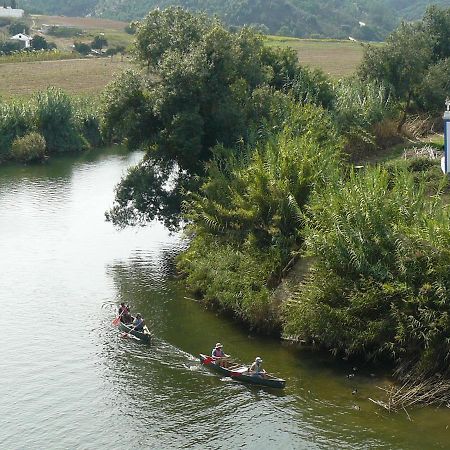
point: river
(70, 381)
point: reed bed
(434, 391)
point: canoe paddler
(219, 355)
(138, 323)
(124, 313)
(256, 367)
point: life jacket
(218, 353)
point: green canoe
(241, 373)
(144, 337)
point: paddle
(116, 321)
(128, 335)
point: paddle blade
(116, 321)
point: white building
(21, 37)
(11, 13)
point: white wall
(12, 13)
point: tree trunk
(405, 112)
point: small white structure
(11, 13)
(22, 37)
(445, 161)
(352, 39)
(362, 24)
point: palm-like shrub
(381, 278)
(246, 221)
(263, 193)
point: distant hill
(361, 19)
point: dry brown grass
(337, 58)
(79, 76)
(80, 22)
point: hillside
(361, 19)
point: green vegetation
(65, 32)
(411, 62)
(379, 282)
(17, 27)
(200, 86)
(21, 56)
(250, 150)
(64, 123)
(247, 215)
(29, 148)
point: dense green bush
(87, 118)
(232, 280)
(358, 106)
(55, 119)
(381, 275)
(65, 32)
(29, 148)
(16, 119)
(82, 48)
(246, 221)
(8, 47)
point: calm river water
(70, 381)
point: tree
(39, 43)
(400, 64)
(82, 48)
(437, 23)
(196, 92)
(435, 87)
(408, 63)
(99, 42)
(18, 27)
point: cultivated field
(76, 76)
(337, 58)
(112, 30)
(87, 23)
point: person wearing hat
(124, 313)
(138, 323)
(256, 367)
(219, 355)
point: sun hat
(258, 359)
(219, 345)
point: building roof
(21, 37)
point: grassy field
(337, 58)
(89, 76)
(76, 76)
(113, 30)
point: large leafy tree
(194, 91)
(406, 63)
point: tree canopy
(409, 62)
(200, 85)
